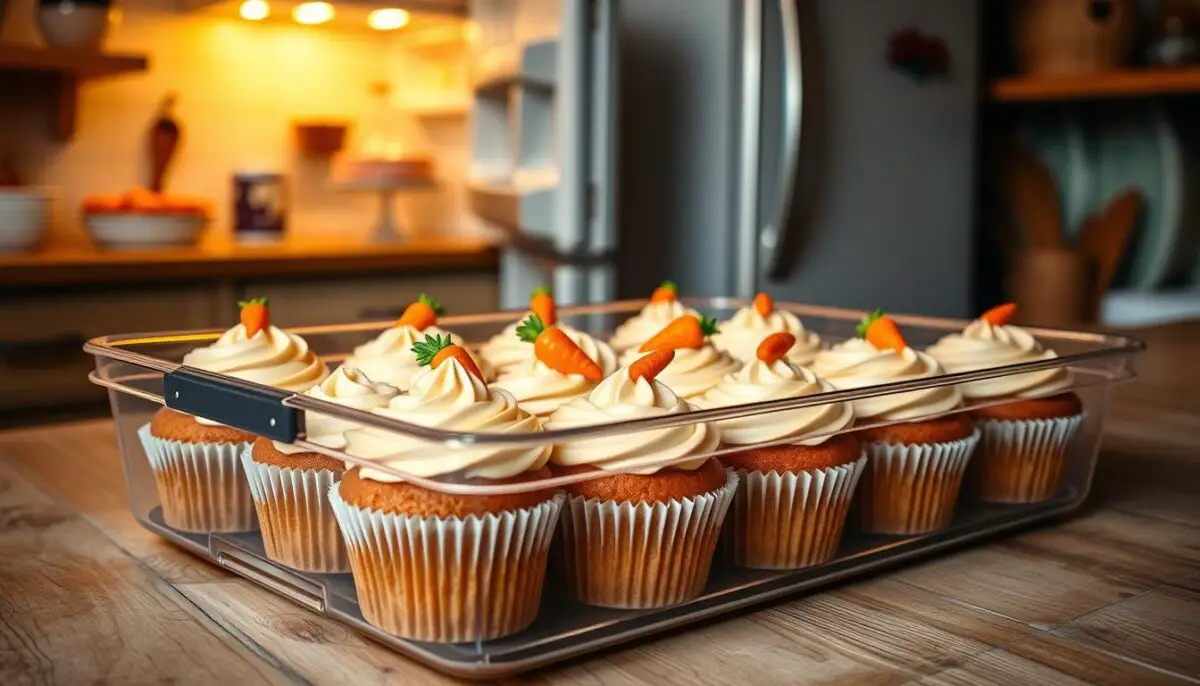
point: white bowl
(23, 217)
(146, 231)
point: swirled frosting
(541, 390)
(982, 345)
(345, 386)
(272, 357)
(693, 371)
(741, 334)
(759, 382)
(641, 327)
(449, 397)
(856, 364)
(389, 357)
(616, 399)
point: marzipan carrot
(1000, 314)
(648, 366)
(881, 331)
(542, 304)
(421, 314)
(775, 346)
(763, 304)
(687, 331)
(556, 350)
(436, 349)
(254, 315)
(667, 291)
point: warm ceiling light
(313, 12)
(388, 19)
(254, 10)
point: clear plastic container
(143, 372)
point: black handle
(242, 405)
(42, 352)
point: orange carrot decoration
(649, 366)
(687, 331)
(764, 304)
(421, 314)
(667, 291)
(775, 346)
(254, 315)
(1000, 314)
(556, 350)
(436, 349)
(881, 331)
(542, 304)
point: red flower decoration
(918, 55)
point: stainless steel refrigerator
(758, 145)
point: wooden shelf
(1118, 84)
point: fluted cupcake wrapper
(294, 514)
(914, 488)
(1022, 460)
(643, 555)
(201, 486)
(448, 579)
(791, 520)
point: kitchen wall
(239, 85)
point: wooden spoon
(1033, 195)
(1103, 238)
(163, 140)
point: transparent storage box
(463, 584)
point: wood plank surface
(1109, 596)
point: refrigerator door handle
(772, 239)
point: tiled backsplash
(239, 86)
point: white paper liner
(643, 555)
(201, 486)
(791, 520)
(914, 488)
(448, 580)
(1022, 460)
(295, 517)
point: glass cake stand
(387, 228)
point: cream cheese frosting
(983, 345)
(541, 390)
(741, 334)
(271, 356)
(641, 327)
(449, 397)
(857, 364)
(345, 386)
(760, 381)
(618, 398)
(389, 357)
(693, 371)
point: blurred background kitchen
(160, 159)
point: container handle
(268, 576)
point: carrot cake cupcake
(916, 463)
(444, 567)
(697, 366)
(290, 483)
(640, 533)
(506, 351)
(389, 357)
(197, 462)
(1023, 450)
(562, 368)
(742, 333)
(664, 307)
(793, 497)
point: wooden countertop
(1110, 596)
(83, 263)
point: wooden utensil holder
(1060, 37)
(1053, 287)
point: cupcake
(792, 498)
(444, 567)
(563, 367)
(742, 333)
(506, 351)
(915, 464)
(389, 358)
(289, 484)
(1023, 448)
(641, 532)
(697, 366)
(197, 462)
(664, 307)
